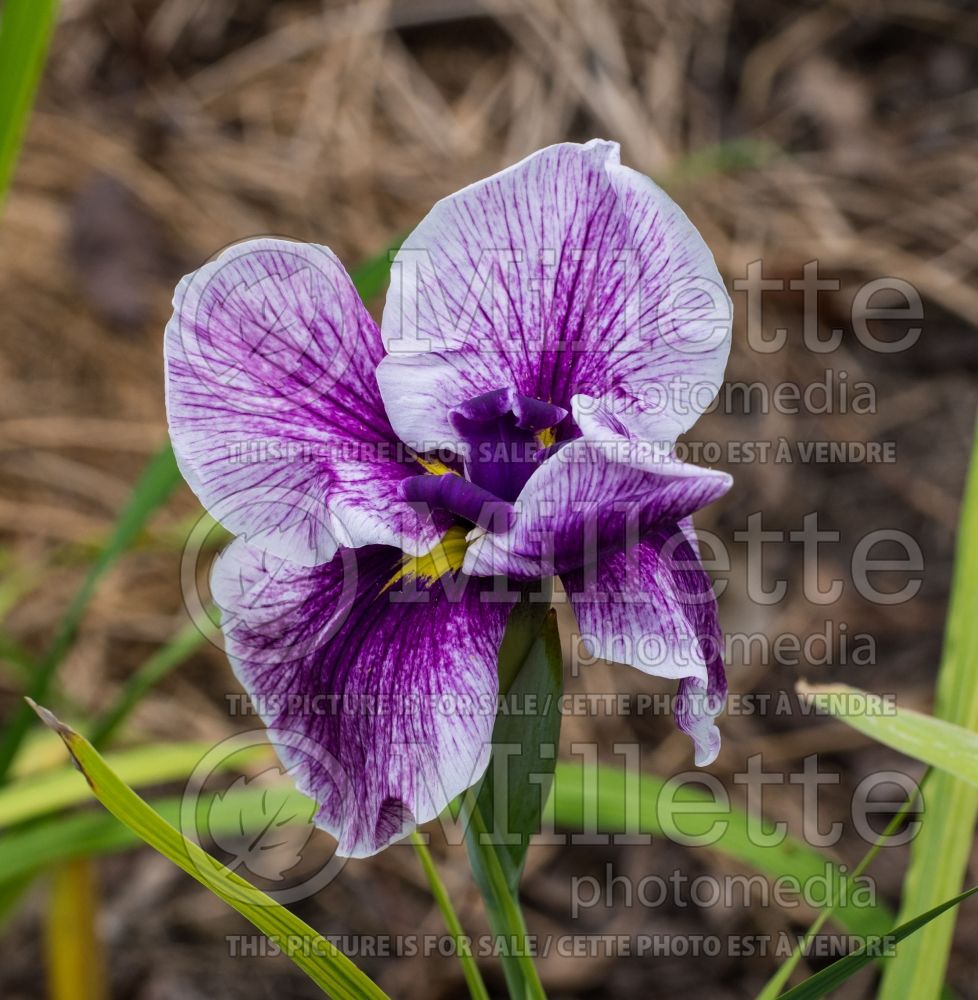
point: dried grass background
(845, 132)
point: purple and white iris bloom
(548, 334)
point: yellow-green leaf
(318, 958)
(923, 737)
(940, 853)
(74, 960)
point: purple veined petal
(611, 430)
(274, 411)
(653, 608)
(423, 389)
(565, 274)
(649, 443)
(580, 504)
(697, 704)
(392, 678)
(697, 707)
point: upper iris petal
(566, 274)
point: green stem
(477, 988)
(504, 913)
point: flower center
(445, 557)
(502, 436)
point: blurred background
(842, 132)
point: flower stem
(477, 988)
(503, 910)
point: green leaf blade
(25, 31)
(832, 977)
(501, 824)
(940, 853)
(609, 800)
(470, 968)
(525, 738)
(322, 962)
(934, 741)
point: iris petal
(565, 274)
(274, 411)
(580, 504)
(654, 609)
(379, 693)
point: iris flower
(548, 334)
